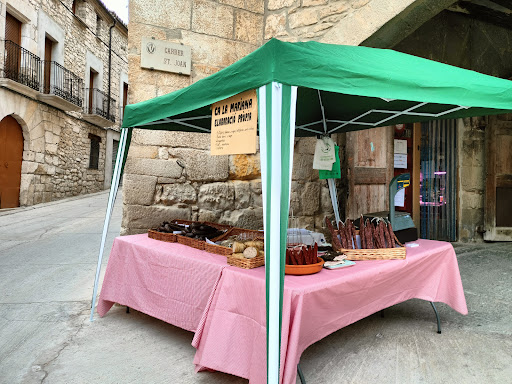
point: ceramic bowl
(308, 269)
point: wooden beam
(504, 3)
(488, 15)
(369, 175)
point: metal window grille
(95, 151)
(438, 175)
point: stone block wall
(56, 151)
(471, 160)
(183, 181)
(331, 21)
(220, 33)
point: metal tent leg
(110, 206)
(301, 375)
(437, 318)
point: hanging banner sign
(234, 125)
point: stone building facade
(172, 175)
(62, 84)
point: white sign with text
(165, 56)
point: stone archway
(11, 156)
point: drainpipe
(110, 65)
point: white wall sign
(400, 160)
(401, 146)
(165, 56)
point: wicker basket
(242, 234)
(214, 225)
(375, 254)
(258, 261)
(218, 249)
(194, 243)
(168, 237)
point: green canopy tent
(309, 89)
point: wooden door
(13, 52)
(11, 153)
(369, 170)
(48, 46)
(498, 191)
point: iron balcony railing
(60, 81)
(99, 103)
(21, 66)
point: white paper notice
(325, 154)
(400, 198)
(401, 146)
(400, 160)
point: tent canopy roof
(359, 88)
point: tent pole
(330, 182)
(276, 103)
(334, 200)
(110, 206)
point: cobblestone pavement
(48, 257)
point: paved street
(47, 264)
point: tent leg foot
(301, 375)
(437, 318)
(127, 309)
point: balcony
(62, 88)
(21, 70)
(100, 109)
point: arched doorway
(11, 153)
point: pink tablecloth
(225, 306)
(234, 338)
(168, 281)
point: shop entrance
(11, 153)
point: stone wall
(56, 151)
(220, 33)
(471, 186)
(56, 142)
(183, 181)
(332, 21)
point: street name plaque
(165, 56)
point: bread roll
(255, 243)
(238, 247)
(250, 252)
